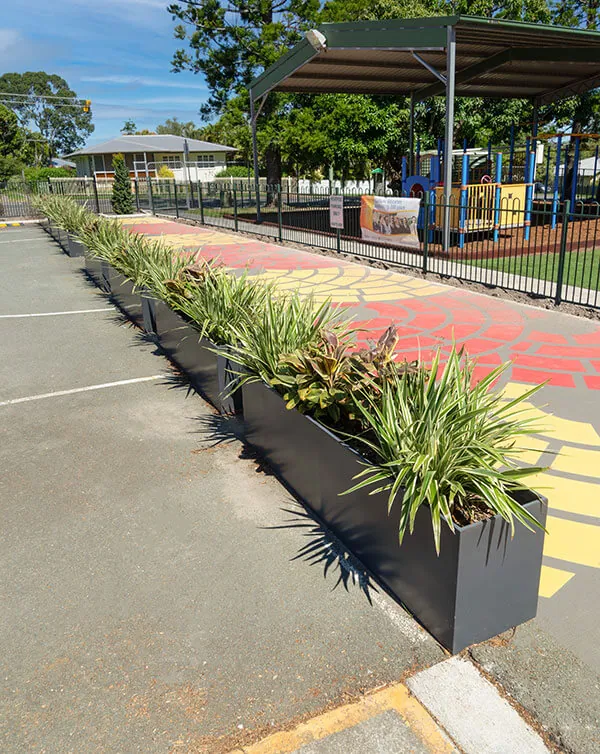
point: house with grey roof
(188, 159)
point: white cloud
(128, 80)
(9, 38)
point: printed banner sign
(390, 220)
(336, 211)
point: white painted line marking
(57, 314)
(472, 711)
(80, 390)
(23, 240)
(402, 620)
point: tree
(174, 126)
(229, 43)
(129, 128)
(122, 201)
(12, 140)
(11, 135)
(61, 122)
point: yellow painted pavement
(395, 698)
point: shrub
(165, 172)
(122, 200)
(235, 171)
(42, 174)
(448, 445)
(286, 324)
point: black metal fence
(17, 197)
(547, 250)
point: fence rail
(548, 250)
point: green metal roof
(507, 59)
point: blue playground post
(418, 168)
(573, 196)
(462, 214)
(404, 170)
(529, 179)
(556, 183)
(440, 147)
(497, 196)
(429, 219)
(464, 144)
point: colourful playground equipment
(490, 194)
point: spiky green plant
(223, 303)
(287, 323)
(447, 444)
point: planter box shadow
(209, 373)
(483, 582)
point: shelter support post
(411, 135)
(449, 141)
(574, 180)
(253, 117)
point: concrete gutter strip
(472, 711)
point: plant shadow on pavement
(322, 546)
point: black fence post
(201, 202)
(176, 198)
(96, 197)
(279, 211)
(150, 196)
(338, 232)
(136, 191)
(235, 209)
(560, 273)
(425, 230)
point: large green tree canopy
(231, 41)
(62, 124)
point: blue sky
(115, 52)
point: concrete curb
(472, 711)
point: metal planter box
(209, 373)
(97, 270)
(132, 302)
(74, 246)
(482, 583)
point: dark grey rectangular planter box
(208, 372)
(74, 246)
(482, 583)
(132, 302)
(97, 271)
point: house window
(171, 160)
(205, 160)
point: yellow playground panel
(479, 213)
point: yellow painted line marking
(394, 698)
(553, 579)
(573, 542)
(535, 447)
(568, 495)
(578, 461)
(567, 430)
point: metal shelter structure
(461, 56)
